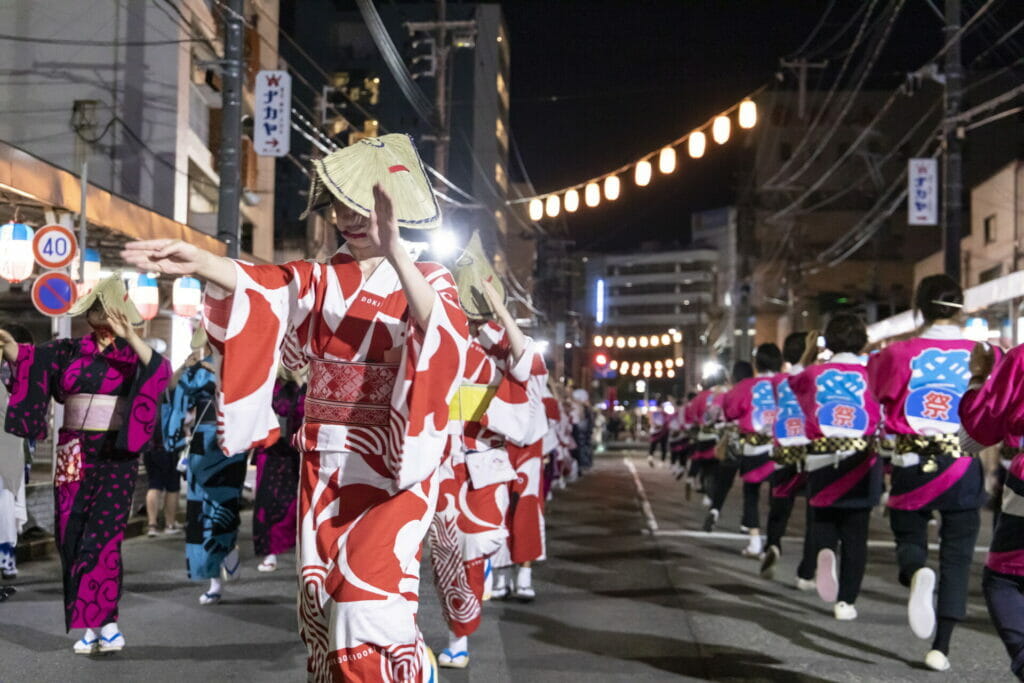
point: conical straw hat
(114, 297)
(472, 269)
(349, 174)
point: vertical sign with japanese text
(272, 122)
(923, 192)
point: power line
(97, 43)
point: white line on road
(645, 505)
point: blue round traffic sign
(54, 294)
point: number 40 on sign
(54, 246)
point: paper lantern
(611, 188)
(187, 295)
(642, 173)
(552, 205)
(667, 160)
(748, 114)
(697, 144)
(16, 259)
(536, 209)
(572, 201)
(720, 129)
(145, 294)
(592, 195)
(90, 269)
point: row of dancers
(426, 410)
(850, 426)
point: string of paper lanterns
(642, 341)
(609, 185)
(657, 369)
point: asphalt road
(618, 600)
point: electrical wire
(97, 43)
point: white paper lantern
(16, 259)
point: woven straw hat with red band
(392, 161)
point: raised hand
(494, 301)
(9, 345)
(119, 325)
(383, 229)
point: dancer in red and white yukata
(491, 407)
(386, 339)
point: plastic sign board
(272, 123)
(54, 294)
(923, 192)
(54, 246)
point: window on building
(245, 244)
(990, 229)
(502, 90)
(991, 274)
(502, 133)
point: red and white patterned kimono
(469, 525)
(374, 433)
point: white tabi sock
(109, 630)
(89, 635)
(524, 577)
(457, 645)
(215, 587)
(501, 578)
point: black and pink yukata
(275, 507)
(111, 407)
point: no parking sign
(54, 294)
(54, 246)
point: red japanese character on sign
(842, 416)
(794, 427)
(937, 405)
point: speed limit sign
(54, 246)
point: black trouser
(662, 443)
(847, 530)
(721, 482)
(751, 503)
(958, 532)
(1005, 600)
(779, 511)
(808, 563)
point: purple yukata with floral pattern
(91, 513)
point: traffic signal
(601, 360)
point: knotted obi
(471, 402)
(349, 393)
(94, 412)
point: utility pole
(952, 157)
(441, 91)
(229, 159)
(800, 66)
(447, 36)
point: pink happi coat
(751, 405)
(375, 429)
(919, 383)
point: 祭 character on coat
(751, 405)
(497, 404)
(844, 474)
(920, 382)
(110, 384)
(992, 412)
(789, 451)
(213, 505)
(13, 512)
(385, 338)
(727, 450)
(275, 505)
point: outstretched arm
(516, 339)
(174, 257)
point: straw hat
(113, 296)
(472, 269)
(350, 173)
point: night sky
(599, 83)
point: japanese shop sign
(923, 192)
(273, 104)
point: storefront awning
(37, 180)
